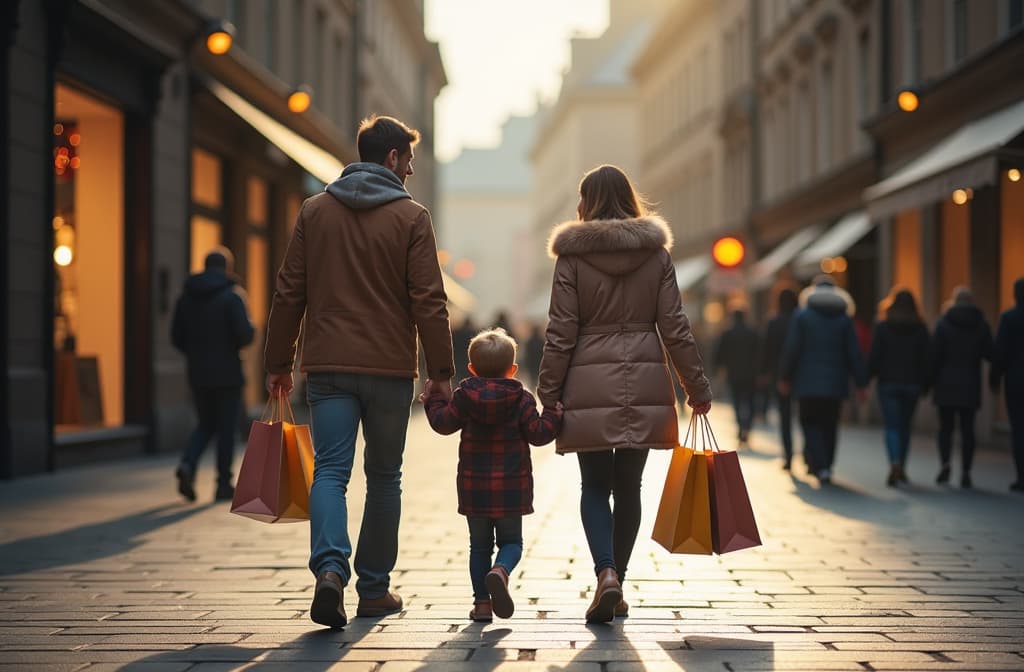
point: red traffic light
(728, 252)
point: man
(1009, 362)
(210, 326)
(819, 356)
(737, 354)
(770, 356)
(362, 266)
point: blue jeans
(785, 404)
(898, 401)
(483, 534)
(338, 403)
(217, 409)
(611, 534)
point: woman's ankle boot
(606, 597)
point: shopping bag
(683, 523)
(732, 518)
(277, 468)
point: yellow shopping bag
(683, 523)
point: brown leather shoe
(497, 585)
(389, 603)
(607, 595)
(328, 607)
(481, 612)
(621, 609)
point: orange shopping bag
(277, 468)
(683, 523)
(733, 527)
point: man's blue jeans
(339, 402)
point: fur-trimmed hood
(616, 246)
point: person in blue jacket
(819, 357)
(1009, 365)
(210, 326)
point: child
(499, 420)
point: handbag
(277, 469)
(683, 523)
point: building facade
(130, 150)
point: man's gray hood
(366, 185)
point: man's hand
(279, 384)
(443, 387)
(699, 409)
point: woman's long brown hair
(606, 193)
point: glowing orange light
(828, 265)
(443, 257)
(219, 42)
(62, 255)
(75, 162)
(840, 264)
(960, 196)
(299, 100)
(728, 252)
(908, 101)
(74, 139)
(1013, 175)
(58, 129)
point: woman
(899, 360)
(614, 292)
(770, 356)
(962, 339)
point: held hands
(279, 384)
(442, 387)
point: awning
(690, 271)
(843, 235)
(762, 273)
(964, 159)
(317, 161)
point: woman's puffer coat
(615, 310)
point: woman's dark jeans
(898, 402)
(484, 534)
(611, 533)
(947, 422)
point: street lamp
(907, 100)
(300, 99)
(220, 35)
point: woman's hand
(700, 409)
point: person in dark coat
(499, 421)
(210, 325)
(962, 340)
(899, 360)
(736, 352)
(819, 357)
(461, 336)
(1009, 364)
(770, 355)
(534, 353)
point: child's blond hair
(492, 353)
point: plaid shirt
(499, 420)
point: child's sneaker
(481, 612)
(497, 585)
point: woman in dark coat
(962, 339)
(615, 312)
(1009, 363)
(770, 356)
(899, 360)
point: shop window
(1012, 236)
(907, 251)
(88, 222)
(955, 243)
(256, 278)
(207, 206)
(205, 237)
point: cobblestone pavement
(104, 568)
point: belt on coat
(615, 328)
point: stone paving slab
(103, 568)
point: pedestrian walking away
(819, 357)
(1008, 365)
(962, 340)
(210, 325)
(770, 356)
(899, 361)
(362, 269)
(499, 422)
(615, 311)
(736, 352)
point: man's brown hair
(492, 353)
(606, 193)
(379, 135)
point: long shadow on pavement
(848, 501)
(89, 542)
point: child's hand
(422, 398)
(559, 407)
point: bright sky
(501, 56)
